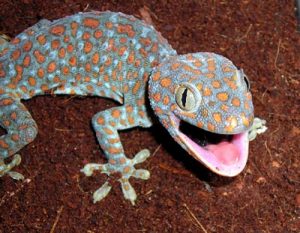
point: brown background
(181, 196)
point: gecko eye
(185, 98)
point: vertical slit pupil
(183, 98)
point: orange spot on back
(143, 52)
(26, 61)
(108, 61)
(145, 41)
(91, 23)
(109, 25)
(74, 27)
(95, 58)
(51, 67)
(16, 54)
(123, 40)
(70, 48)
(122, 50)
(31, 81)
(44, 87)
(88, 67)
(72, 61)
(87, 79)
(41, 39)
(27, 46)
(40, 73)
(56, 79)
(65, 70)
(6, 101)
(57, 30)
(88, 46)
(126, 29)
(55, 44)
(62, 52)
(98, 34)
(130, 57)
(39, 56)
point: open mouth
(226, 155)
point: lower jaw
(225, 163)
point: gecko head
(205, 103)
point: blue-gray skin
(113, 55)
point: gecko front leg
(106, 124)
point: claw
(102, 192)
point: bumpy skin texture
(113, 55)
(220, 102)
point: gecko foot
(258, 127)
(127, 170)
(6, 168)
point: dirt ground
(181, 195)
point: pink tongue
(227, 153)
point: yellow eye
(185, 98)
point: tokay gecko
(117, 56)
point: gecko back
(95, 53)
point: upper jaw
(227, 158)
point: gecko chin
(224, 154)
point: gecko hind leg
(106, 125)
(21, 129)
